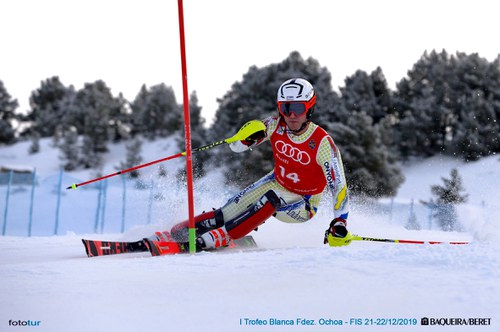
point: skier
(306, 161)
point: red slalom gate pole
(124, 171)
(187, 132)
(240, 135)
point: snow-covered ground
(48, 281)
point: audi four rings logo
(292, 152)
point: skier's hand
(255, 137)
(337, 234)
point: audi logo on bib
(293, 152)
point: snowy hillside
(48, 283)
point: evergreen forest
(448, 104)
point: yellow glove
(339, 241)
(254, 138)
(337, 234)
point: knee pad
(254, 216)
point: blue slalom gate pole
(6, 211)
(150, 201)
(98, 208)
(58, 206)
(103, 211)
(33, 184)
(124, 201)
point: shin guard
(254, 216)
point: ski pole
(249, 128)
(365, 238)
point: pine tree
(422, 108)
(447, 196)
(69, 149)
(367, 93)
(47, 111)
(138, 108)
(367, 161)
(412, 223)
(451, 191)
(7, 115)
(120, 124)
(35, 143)
(364, 135)
(449, 104)
(475, 131)
(89, 157)
(133, 157)
(155, 112)
(96, 104)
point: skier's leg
(233, 208)
(254, 216)
(243, 213)
(302, 208)
(239, 226)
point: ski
(104, 248)
(170, 247)
(165, 245)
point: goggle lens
(294, 107)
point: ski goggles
(296, 107)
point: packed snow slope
(294, 284)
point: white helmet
(296, 96)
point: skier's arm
(329, 157)
(331, 161)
